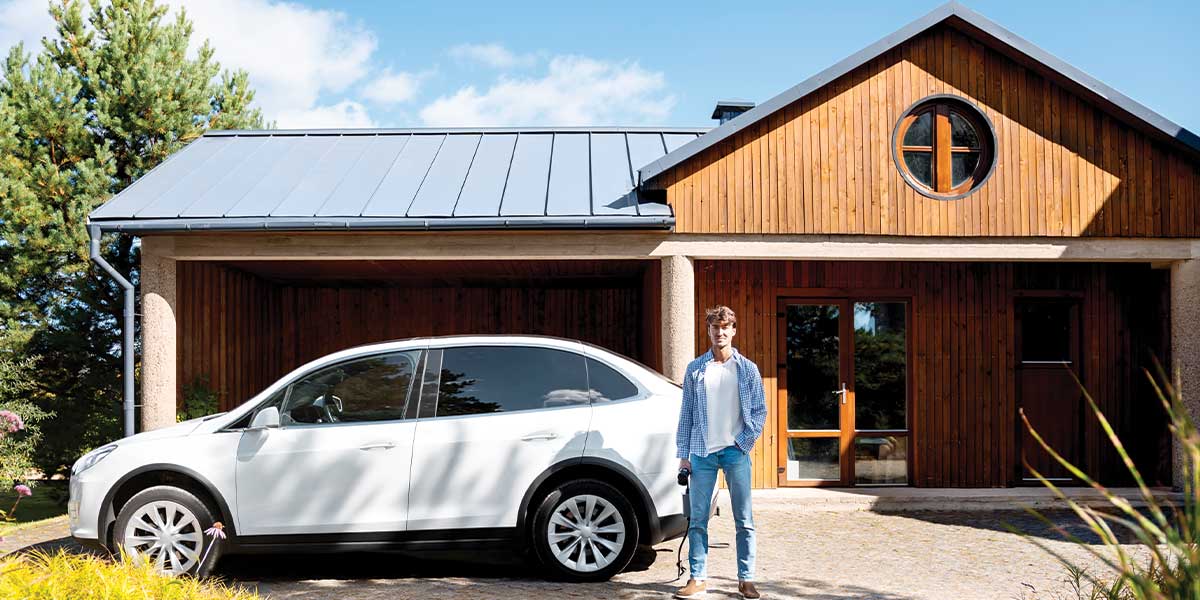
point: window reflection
(880, 365)
(369, 389)
(881, 460)
(813, 355)
(492, 379)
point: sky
(327, 63)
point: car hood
(174, 431)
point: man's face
(721, 334)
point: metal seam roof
(1001, 37)
(398, 179)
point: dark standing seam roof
(989, 32)
(399, 179)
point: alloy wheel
(586, 533)
(166, 534)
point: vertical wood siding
(242, 333)
(824, 163)
(963, 413)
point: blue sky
(329, 63)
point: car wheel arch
(600, 469)
(148, 476)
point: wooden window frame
(941, 150)
(846, 436)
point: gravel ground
(809, 555)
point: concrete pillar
(678, 315)
(158, 334)
(1185, 343)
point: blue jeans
(736, 465)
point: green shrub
(63, 576)
(1168, 534)
(18, 437)
(199, 399)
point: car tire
(575, 545)
(140, 529)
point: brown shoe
(693, 589)
(747, 589)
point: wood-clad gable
(824, 165)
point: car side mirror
(267, 418)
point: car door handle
(378, 446)
(540, 437)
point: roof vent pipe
(728, 109)
(127, 345)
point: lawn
(48, 501)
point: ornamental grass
(66, 576)
(1164, 563)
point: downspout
(127, 345)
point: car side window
(375, 388)
(607, 384)
(495, 379)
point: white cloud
(492, 55)
(392, 88)
(575, 91)
(293, 54)
(24, 21)
(344, 114)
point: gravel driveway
(810, 555)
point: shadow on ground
(1022, 521)
(371, 575)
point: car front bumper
(83, 509)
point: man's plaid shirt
(692, 435)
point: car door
(493, 418)
(339, 461)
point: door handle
(540, 437)
(842, 391)
(378, 446)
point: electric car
(553, 448)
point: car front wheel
(164, 526)
(585, 530)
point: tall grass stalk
(1166, 533)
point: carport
(242, 324)
(262, 250)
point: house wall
(963, 405)
(824, 164)
(242, 332)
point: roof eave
(296, 224)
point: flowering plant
(217, 533)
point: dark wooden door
(1048, 390)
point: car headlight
(90, 459)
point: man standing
(722, 415)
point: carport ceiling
(472, 273)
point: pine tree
(106, 99)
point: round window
(944, 147)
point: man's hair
(720, 314)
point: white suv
(551, 447)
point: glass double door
(843, 392)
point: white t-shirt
(724, 406)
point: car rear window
(607, 384)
